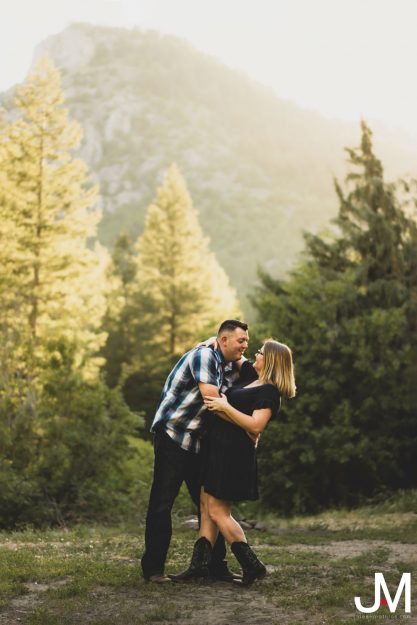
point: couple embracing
(213, 408)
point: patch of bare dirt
(353, 548)
(8, 544)
(190, 604)
(21, 606)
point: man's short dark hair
(230, 325)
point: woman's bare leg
(219, 513)
(208, 528)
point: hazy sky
(344, 58)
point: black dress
(229, 469)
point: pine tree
(374, 227)
(50, 279)
(349, 312)
(63, 434)
(180, 290)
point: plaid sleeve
(203, 366)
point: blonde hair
(278, 368)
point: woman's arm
(255, 423)
(210, 342)
(254, 437)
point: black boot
(252, 567)
(220, 572)
(199, 565)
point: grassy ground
(317, 565)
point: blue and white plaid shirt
(181, 408)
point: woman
(229, 464)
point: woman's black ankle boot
(199, 565)
(252, 567)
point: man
(177, 429)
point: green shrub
(64, 448)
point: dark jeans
(173, 465)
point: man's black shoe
(158, 579)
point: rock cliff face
(259, 169)
(73, 49)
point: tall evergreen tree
(179, 294)
(349, 311)
(63, 434)
(180, 289)
(50, 280)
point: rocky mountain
(260, 169)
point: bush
(64, 449)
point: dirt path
(196, 604)
(352, 548)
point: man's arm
(210, 390)
(203, 367)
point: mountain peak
(259, 169)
